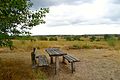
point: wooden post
(63, 60)
(56, 64)
(33, 58)
(73, 66)
(51, 59)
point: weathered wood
(51, 59)
(56, 64)
(63, 60)
(42, 61)
(71, 60)
(72, 66)
(33, 57)
(55, 52)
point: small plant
(86, 46)
(22, 41)
(75, 46)
(98, 39)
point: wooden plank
(54, 52)
(70, 58)
(42, 60)
(74, 59)
(56, 65)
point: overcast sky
(76, 17)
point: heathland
(99, 58)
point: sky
(78, 17)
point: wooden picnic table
(55, 52)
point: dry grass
(28, 45)
(95, 64)
(17, 66)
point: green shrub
(75, 46)
(43, 38)
(111, 41)
(106, 37)
(97, 39)
(86, 46)
(92, 38)
(76, 38)
(68, 38)
(53, 39)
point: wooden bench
(42, 61)
(71, 60)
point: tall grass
(17, 66)
(28, 45)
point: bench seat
(42, 61)
(71, 60)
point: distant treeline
(95, 37)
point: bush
(86, 46)
(53, 39)
(92, 38)
(97, 39)
(111, 41)
(106, 37)
(75, 46)
(76, 38)
(68, 38)
(43, 38)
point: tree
(16, 18)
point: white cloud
(76, 29)
(95, 17)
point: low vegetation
(17, 61)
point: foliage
(16, 18)
(76, 46)
(98, 39)
(111, 41)
(72, 38)
(86, 46)
(68, 38)
(106, 37)
(92, 38)
(43, 38)
(53, 39)
(76, 38)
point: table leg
(56, 64)
(73, 66)
(51, 60)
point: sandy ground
(95, 64)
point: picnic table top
(54, 52)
